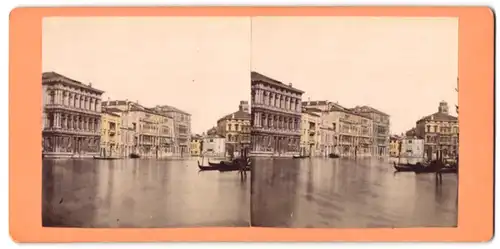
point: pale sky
(198, 64)
(401, 66)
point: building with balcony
(235, 127)
(354, 131)
(276, 117)
(343, 131)
(71, 117)
(380, 129)
(310, 137)
(149, 133)
(111, 142)
(327, 130)
(182, 128)
(440, 133)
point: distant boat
(225, 165)
(106, 158)
(134, 155)
(331, 155)
(300, 157)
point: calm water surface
(342, 193)
(142, 193)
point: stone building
(235, 127)
(152, 132)
(327, 133)
(310, 138)
(214, 146)
(343, 132)
(440, 133)
(380, 130)
(182, 128)
(71, 117)
(276, 117)
(111, 142)
(354, 131)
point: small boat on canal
(226, 165)
(331, 155)
(201, 167)
(300, 157)
(106, 158)
(135, 155)
(233, 168)
(433, 167)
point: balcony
(274, 108)
(112, 132)
(276, 131)
(312, 132)
(71, 109)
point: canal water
(348, 193)
(142, 193)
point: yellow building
(310, 133)
(235, 128)
(110, 134)
(394, 146)
(196, 141)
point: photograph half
(146, 122)
(354, 122)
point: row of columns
(75, 100)
(74, 122)
(276, 121)
(275, 144)
(270, 98)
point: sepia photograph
(354, 122)
(145, 122)
(293, 122)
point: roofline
(275, 82)
(173, 109)
(64, 79)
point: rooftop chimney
(443, 107)
(290, 84)
(243, 106)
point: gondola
(105, 158)
(443, 170)
(408, 167)
(233, 168)
(300, 157)
(235, 162)
(134, 155)
(331, 155)
(207, 167)
(221, 163)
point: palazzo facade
(276, 117)
(71, 117)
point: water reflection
(341, 193)
(141, 193)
